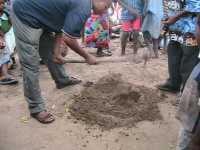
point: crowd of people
(7, 45)
(37, 33)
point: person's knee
(30, 65)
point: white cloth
(4, 56)
(10, 40)
(9, 49)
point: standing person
(151, 26)
(66, 19)
(97, 34)
(182, 49)
(131, 17)
(5, 52)
(189, 108)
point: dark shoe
(168, 88)
(71, 81)
(8, 81)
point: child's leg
(108, 49)
(124, 37)
(135, 41)
(155, 47)
(126, 29)
(1, 75)
(136, 26)
(4, 71)
(6, 78)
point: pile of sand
(112, 103)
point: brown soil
(112, 103)
(20, 132)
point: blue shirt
(68, 16)
(193, 5)
(153, 17)
(190, 24)
(174, 7)
(185, 24)
(136, 4)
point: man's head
(2, 5)
(100, 6)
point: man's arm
(130, 9)
(73, 25)
(74, 45)
(175, 18)
(58, 58)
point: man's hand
(170, 21)
(91, 60)
(58, 56)
(58, 59)
(175, 18)
(74, 45)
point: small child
(5, 54)
(97, 34)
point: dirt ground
(19, 132)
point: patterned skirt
(96, 34)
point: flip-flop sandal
(46, 119)
(8, 81)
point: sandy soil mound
(112, 103)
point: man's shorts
(130, 25)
